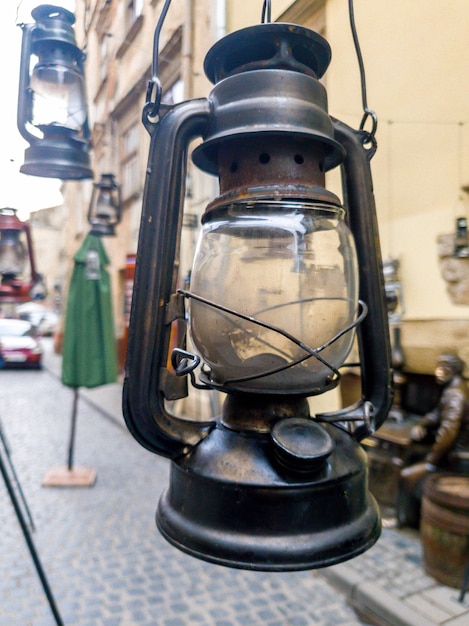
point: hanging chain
(266, 12)
(368, 136)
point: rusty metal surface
(271, 160)
(274, 168)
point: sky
(24, 193)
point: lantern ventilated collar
(258, 69)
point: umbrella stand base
(64, 477)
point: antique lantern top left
(52, 106)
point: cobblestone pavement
(388, 585)
(104, 559)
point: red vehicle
(18, 276)
(19, 344)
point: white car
(19, 344)
(43, 318)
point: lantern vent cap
(268, 46)
(54, 25)
(51, 11)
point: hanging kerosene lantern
(52, 106)
(104, 212)
(283, 275)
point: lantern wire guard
(265, 485)
(310, 352)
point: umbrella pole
(72, 429)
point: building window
(170, 71)
(132, 139)
(103, 57)
(134, 10)
(309, 13)
(174, 93)
(129, 162)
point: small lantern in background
(396, 309)
(461, 239)
(393, 290)
(19, 280)
(283, 276)
(52, 107)
(104, 212)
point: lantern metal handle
(154, 306)
(373, 333)
(25, 102)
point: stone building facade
(118, 39)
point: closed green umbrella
(89, 346)
(89, 355)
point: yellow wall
(416, 56)
(248, 12)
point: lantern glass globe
(291, 267)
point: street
(103, 557)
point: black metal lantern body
(273, 303)
(104, 212)
(52, 107)
(17, 265)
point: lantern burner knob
(300, 444)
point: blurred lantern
(104, 212)
(461, 239)
(277, 289)
(393, 290)
(52, 108)
(396, 309)
(19, 280)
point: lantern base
(57, 159)
(231, 503)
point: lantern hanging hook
(368, 137)
(266, 12)
(154, 88)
